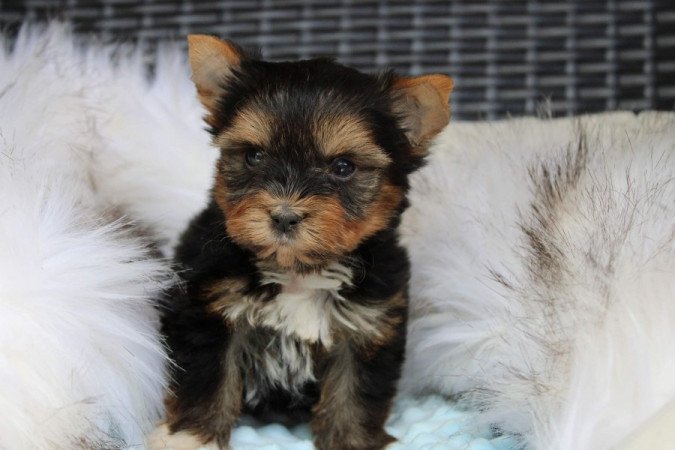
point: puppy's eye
(342, 168)
(253, 157)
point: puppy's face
(314, 155)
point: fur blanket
(542, 256)
(543, 278)
(98, 167)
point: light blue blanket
(429, 423)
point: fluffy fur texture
(81, 363)
(295, 286)
(157, 162)
(543, 266)
(80, 360)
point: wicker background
(507, 57)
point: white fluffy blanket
(543, 285)
(543, 297)
(80, 359)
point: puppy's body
(284, 331)
(295, 287)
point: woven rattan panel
(507, 57)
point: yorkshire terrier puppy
(294, 294)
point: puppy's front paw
(162, 439)
(379, 441)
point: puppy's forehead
(349, 135)
(325, 120)
(251, 125)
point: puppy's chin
(287, 257)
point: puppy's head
(314, 155)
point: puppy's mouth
(287, 239)
(289, 252)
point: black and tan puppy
(294, 295)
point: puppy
(294, 294)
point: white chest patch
(309, 307)
(304, 306)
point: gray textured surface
(507, 57)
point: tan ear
(423, 106)
(212, 60)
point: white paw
(162, 439)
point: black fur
(198, 338)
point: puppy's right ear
(212, 61)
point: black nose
(285, 220)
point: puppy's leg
(356, 393)
(162, 438)
(206, 389)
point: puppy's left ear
(422, 103)
(212, 61)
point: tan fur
(339, 416)
(377, 216)
(223, 416)
(250, 125)
(211, 61)
(230, 396)
(224, 293)
(248, 223)
(349, 135)
(162, 439)
(424, 107)
(387, 325)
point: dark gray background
(507, 57)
